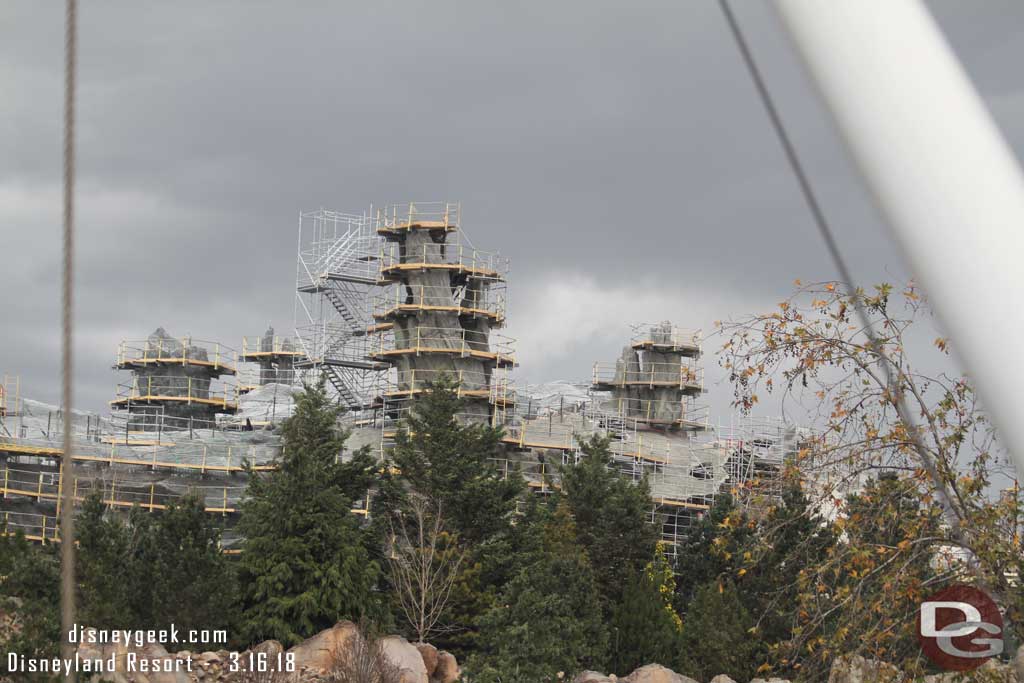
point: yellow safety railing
(665, 336)
(184, 351)
(454, 340)
(282, 346)
(651, 375)
(468, 382)
(41, 486)
(476, 262)
(677, 413)
(423, 215)
(177, 389)
(402, 299)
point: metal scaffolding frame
(338, 266)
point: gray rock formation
(320, 651)
(591, 677)
(162, 375)
(857, 669)
(433, 318)
(447, 670)
(656, 673)
(315, 660)
(406, 658)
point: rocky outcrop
(150, 663)
(314, 659)
(423, 663)
(429, 654)
(989, 672)
(656, 673)
(447, 670)
(406, 658)
(592, 677)
(320, 651)
(857, 669)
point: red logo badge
(960, 628)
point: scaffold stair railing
(346, 395)
(352, 256)
(342, 304)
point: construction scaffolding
(272, 357)
(184, 378)
(338, 267)
(10, 400)
(655, 378)
(440, 300)
(387, 303)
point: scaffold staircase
(338, 265)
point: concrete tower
(274, 356)
(441, 300)
(655, 378)
(176, 383)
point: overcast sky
(615, 151)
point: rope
(67, 531)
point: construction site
(386, 302)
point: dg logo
(960, 628)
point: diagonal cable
(832, 246)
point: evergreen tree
(716, 635)
(306, 560)
(104, 557)
(452, 463)
(181, 569)
(711, 548)
(645, 627)
(764, 561)
(30, 592)
(548, 620)
(612, 519)
(153, 569)
(789, 542)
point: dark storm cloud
(613, 150)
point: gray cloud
(615, 149)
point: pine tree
(716, 635)
(306, 561)
(789, 542)
(711, 548)
(452, 464)
(153, 568)
(103, 559)
(612, 519)
(187, 578)
(548, 620)
(645, 628)
(29, 590)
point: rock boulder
(320, 651)
(857, 669)
(656, 673)
(404, 655)
(429, 654)
(447, 670)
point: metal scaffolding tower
(338, 266)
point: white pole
(941, 172)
